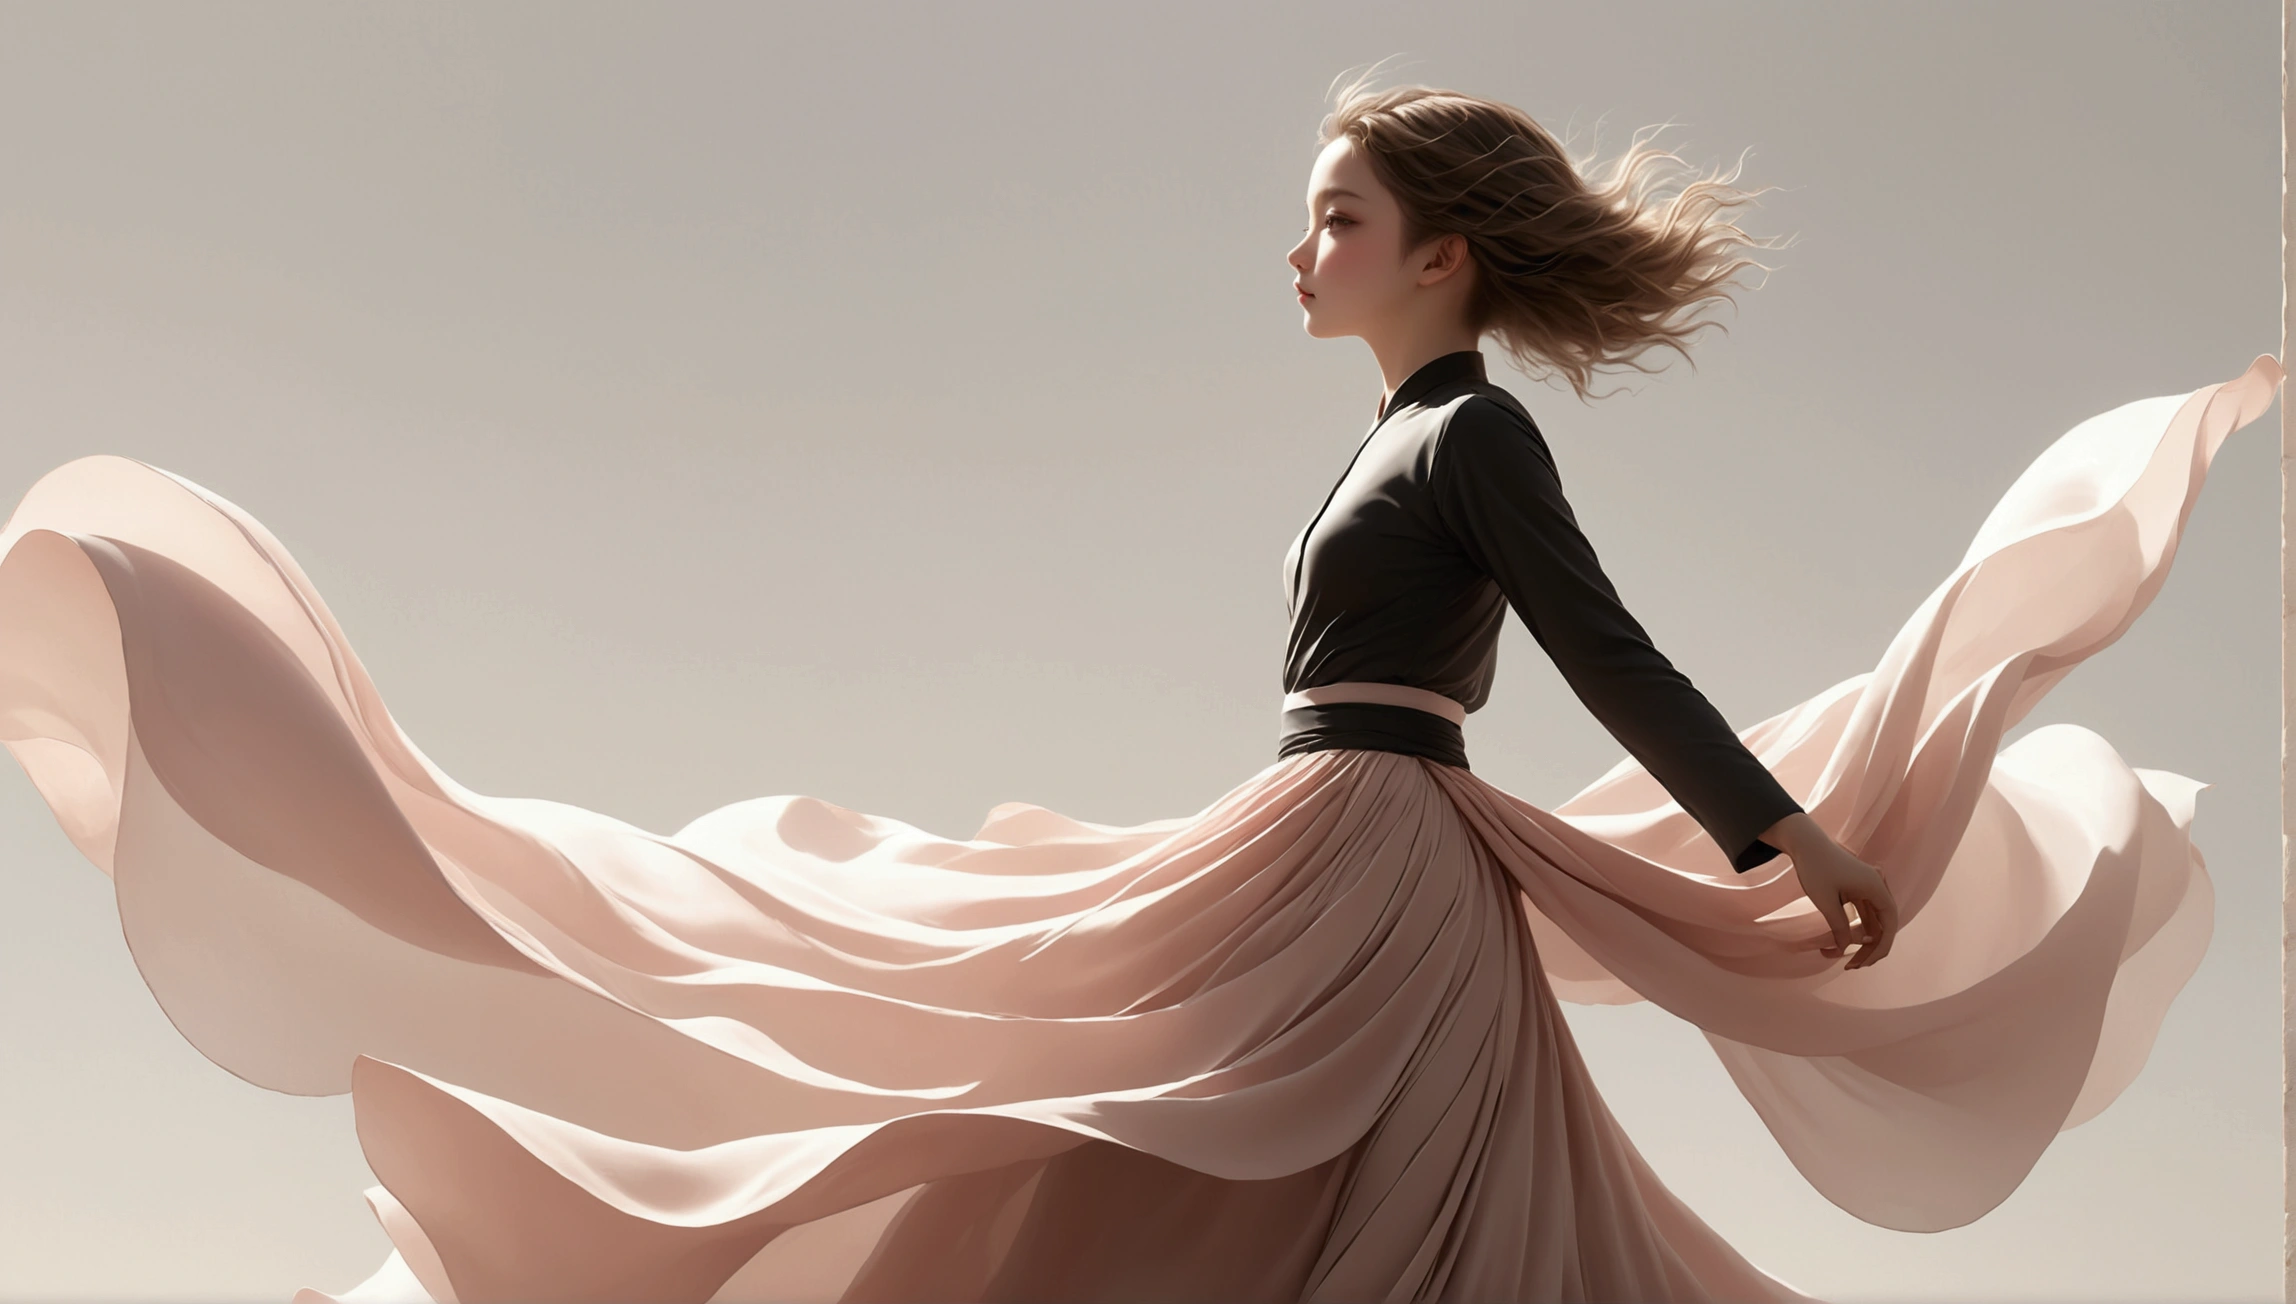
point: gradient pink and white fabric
(1303, 1044)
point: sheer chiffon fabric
(1304, 1044)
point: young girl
(1436, 219)
(1302, 1045)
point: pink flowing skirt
(1304, 1044)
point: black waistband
(1372, 727)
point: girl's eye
(1334, 219)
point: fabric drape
(1303, 1044)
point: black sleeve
(1495, 486)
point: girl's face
(1353, 272)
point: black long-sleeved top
(1451, 512)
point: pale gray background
(906, 406)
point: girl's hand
(1832, 878)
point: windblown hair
(1570, 275)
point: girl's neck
(1400, 356)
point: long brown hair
(1571, 275)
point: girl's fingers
(1830, 905)
(1878, 933)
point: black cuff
(1754, 855)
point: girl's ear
(1444, 259)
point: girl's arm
(1496, 486)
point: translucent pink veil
(571, 1041)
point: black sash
(1372, 727)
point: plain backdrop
(906, 405)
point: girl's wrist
(1796, 835)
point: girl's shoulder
(1486, 427)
